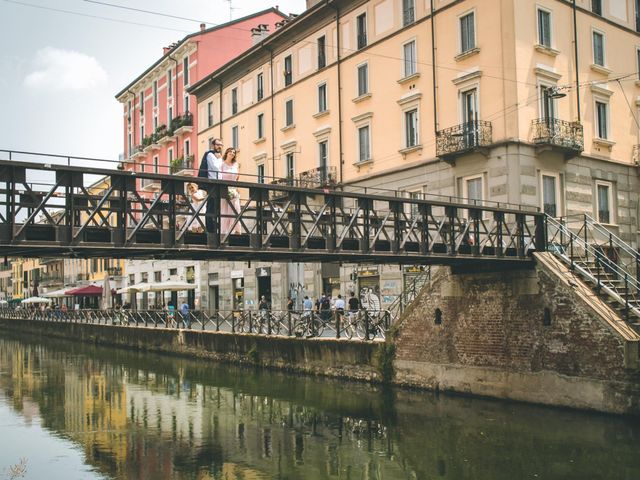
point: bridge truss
(47, 210)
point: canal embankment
(353, 360)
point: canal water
(74, 411)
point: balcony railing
(114, 271)
(463, 138)
(408, 16)
(181, 124)
(53, 279)
(318, 177)
(558, 133)
(182, 166)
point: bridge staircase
(409, 294)
(604, 261)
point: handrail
(409, 294)
(564, 240)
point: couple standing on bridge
(218, 166)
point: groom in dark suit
(210, 168)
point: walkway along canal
(75, 410)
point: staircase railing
(409, 294)
(592, 264)
(597, 234)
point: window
(155, 123)
(210, 114)
(234, 137)
(260, 125)
(322, 54)
(361, 27)
(544, 28)
(157, 276)
(261, 173)
(288, 112)
(129, 144)
(467, 32)
(547, 103)
(363, 79)
(156, 163)
(411, 128)
(186, 104)
(323, 156)
(169, 115)
(234, 101)
(288, 70)
(173, 271)
(141, 133)
(473, 188)
(132, 279)
(290, 166)
(598, 48)
(260, 84)
(408, 12)
(129, 110)
(638, 60)
(604, 202)
(169, 84)
(410, 63)
(550, 195)
(141, 103)
(364, 144)
(187, 148)
(596, 7)
(602, 119)
(637, 15)
(185, 71)
(155, 93)
(170, 153)
(322, 97)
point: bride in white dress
(229, 171)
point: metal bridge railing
(359, 325)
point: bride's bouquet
(233, 193)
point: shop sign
(368, 272)
(237, 273)
(263, 272)
(413, 269)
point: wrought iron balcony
(636, 155)
(463, 138)
(181, 124)
(114, 271)
(318, 177)
(49, 279)
(567, 136)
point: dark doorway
(264, 288)
(214, 299)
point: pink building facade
(159, 129)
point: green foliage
(383, 361)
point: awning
(87, 291)
(138, 287)
(170, 286)
(57, 293)
(36, 300)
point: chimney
(259, 32)
(165, 50)
(203, 27)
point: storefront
(369, 288)
(263, 277)
(237, 289)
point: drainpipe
(433, 69)
(575, 53)
(338, 62)
(273, 117)
(220, 111)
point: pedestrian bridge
(48, 210)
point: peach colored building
(159, 129)
(492, 100)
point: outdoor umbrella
(171, 286)
(138, 287)
(57, 294)
(3, 302)
(36, 300)
(106, 293)
(86, 291)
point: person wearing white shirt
(210, 167)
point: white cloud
(58, 69)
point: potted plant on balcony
(176, 164)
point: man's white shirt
(214, 165)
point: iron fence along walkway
(361, 325)
(46, 210)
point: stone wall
(328, 357)
(492, 340)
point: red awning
(88, 291)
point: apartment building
(519, 101)
(159, 129)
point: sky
(59, 71)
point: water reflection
(146, 416)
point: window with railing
(322, 54)
(604, 202)
(361, 29)
(596, 7)
(411, 128)
(234, 101)
(260, 86)
(288, 70)
(408, 12)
